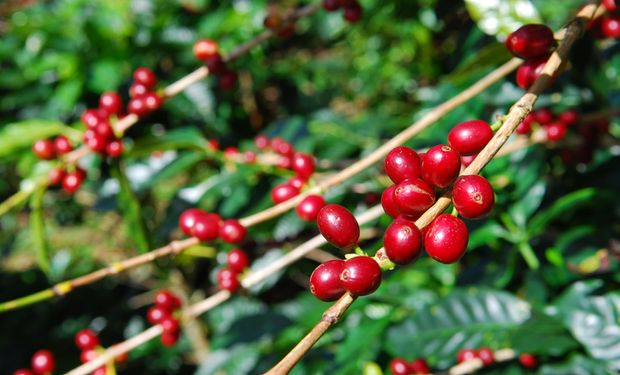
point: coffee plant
(320, 187)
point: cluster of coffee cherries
(237, 261)
(88, 342)
(555, 125)
(352, 11)
(99, 135)
(531, 42)
(418, 178)
(207, 51)
(69, 178)
(400, 366)
(358, 275)
(144, 98)
(41, 363)
(607, 26)
(208, 226)
(487, 357)
(163, 313)
(281, 26)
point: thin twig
(516, 114)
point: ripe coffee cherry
(62, 145)
(529, 72)
(91, 118)
(353, 12)
(413, 196)
(23, 371)
(227, 80)
(543, 116)
(145, 76)
(419, 366)
(486, 356)
(325, 281)
(473, 196)
(465, 355)
(470, 137)
(282, 147)
(308, 209)
(273, 21)
(170, 324)
(446, 239)
(387, 202)
(611, 5)
(283, 192)
(528, 360)
(525, 127)
(152, 101)
(530, 41)
(167, 300)
(402, 241)
(86, 339)
(56, 176)
(205, 48)
(156, 314)
(215, 64)
(137, 106)
(111, 102)
(207, 227)
(228, 279)
(441, 166)
(188, 219)
(261, 142)
(297, 182)
(43, 362)
(399, 366)
(115, 148)
(137, 90)
(555, 131)
(231, 231)
(237, 260)
(402, 163)
(303, 165)
(610, 26)
(361, 275)
(44, 149)
(331, 5)
(569, 117)
(71, 181)
(169, 338)
(338, 226)
(466, 160)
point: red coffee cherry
(156, 314)
(152, 101)
(473, 196)
(331, 5)
(402, 241)
(325, 281)
(145, 76)
(167, 300)
(285, 162)
(441, 166)
(86, 339)
(419, 366)
(205, 48)
(227, 80)
(249, 157)
(470, 137)
(228, 279)
(231, 231)
(188, 219)
(361, 275)
(388, 203)
(56, 176)
(402, 163)
(529, 72)
(610, 26)
(62, 145)
(115, 148)
(170, 324)
(297, 182)
(237, 260)
(611, 5)
(111, 102)
(525, 127)
(446, 239)
(43, 362)
(137, 106)
(169, 338)
(569, 117)
(303, 165)
(308, 209)
(466, 160)
(486, 356)
(207, 227)
(137, 90)
(44, 149)
(353, 12)
(91, 118)
(283, 192)
(543, 116)
(215, 64)
(338, 226)
(282, 147)
(261, 142)
(465, 355)
(528, 360)
(530, 41)
(413, 196)
(71, 181)
(555, 131)
(23, 371)
(399, 366)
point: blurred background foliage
(338, 91)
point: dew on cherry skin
(325, 281)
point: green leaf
(240, 359)
(560, 207)
(130, 206)
(269, 257)
(37, 230)
(502, 17)
(184, 138)
(543, 334)
(461, 319)
(577, 365)
(21, 135)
